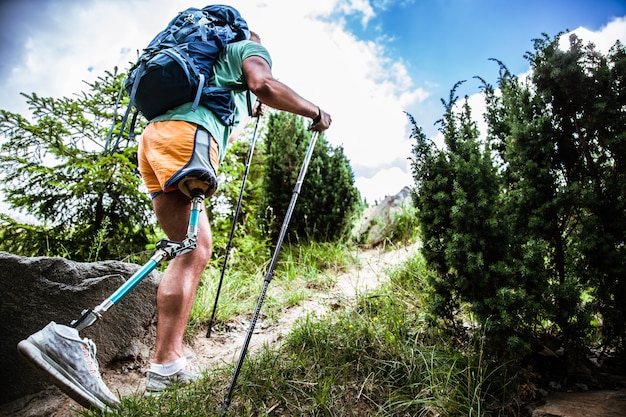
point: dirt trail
(224, 347)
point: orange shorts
(170, 150)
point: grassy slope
(372, 358)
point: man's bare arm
(275, 94)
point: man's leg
(177, 289)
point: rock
(604, 403)
(39, 290)
(377, 220)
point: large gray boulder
(36, 291)
(377, 221)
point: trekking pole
(270, 272)
(234, 225)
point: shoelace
(89, 355)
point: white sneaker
(156, 382)
(58, 352)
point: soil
(601, 403)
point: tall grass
(300, 270)
(405, 227)
(99, 240)
(379, 358)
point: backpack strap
(249, 102)
(202, 24)
(196, 100)
(126, 115)
(110, 134)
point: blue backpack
(176, 65)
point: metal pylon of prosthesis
(166, 250)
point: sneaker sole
(47, 367)
(154, 394)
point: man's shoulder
(246, 48)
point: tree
(87, 205)
(584, 94)
(545, 199)
(248, 236)
(328, 198)
(464, 237)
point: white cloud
(385, 182)
(603, 39)
(363, 90)
(358, 6)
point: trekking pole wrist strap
(318, 117)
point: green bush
(522, 228)
(328, 199)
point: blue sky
(427, 34)
(444, 41)
(366, 62)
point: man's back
(227, 71)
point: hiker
(179, 154)
(164, 149)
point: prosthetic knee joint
(166, 250)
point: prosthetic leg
(166, 250)
(58, 352)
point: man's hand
(259, 109)
(323, 123)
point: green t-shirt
(227, 70)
